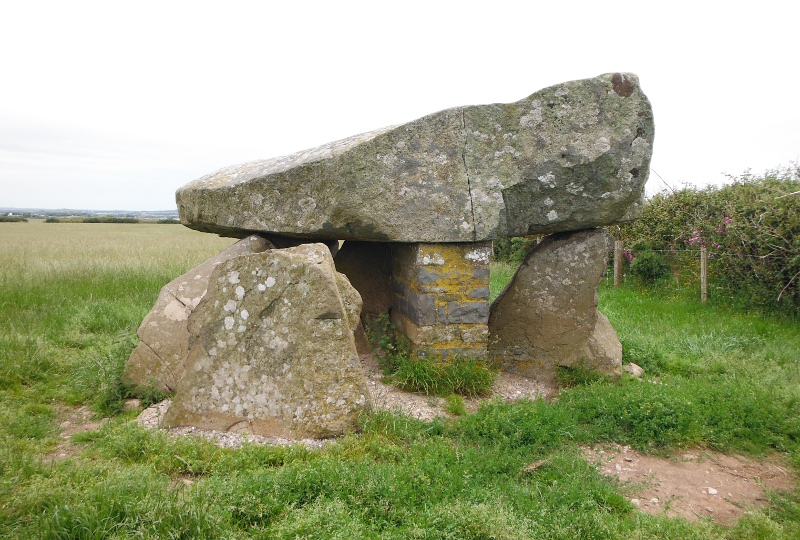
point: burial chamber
(417, 206)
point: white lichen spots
(548, 179)
(229, 323)
(480, 135)
(241, 328)
(278, 344)
(390, 160)
(507, 150)
(307, 204)
(563, 91)
(466, 227)
(239, 292)
(441, 158)
(436, 259)
(602, 145)
(481, 254)
(548, 202)
(230, 306)
(574, 188)
(552, 215)
(270, 282)
(244, 314)
(233, 277)
(534, 117)
(261, 287)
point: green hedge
(750, 227)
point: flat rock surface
(159, 360)
(568, 157)
(272, 349)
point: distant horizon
(66, 209)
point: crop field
(72, 296)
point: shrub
(650, 267)
(512, 250)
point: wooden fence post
(617, 263)
(703, 274)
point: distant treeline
(9, 219)
(108, 219)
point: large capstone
(272, 351)
(547, 316)
(159, 360)
(569, 157)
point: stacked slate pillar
(441, 296)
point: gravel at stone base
(507, 387)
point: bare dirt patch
(72, 420)
(694, 485)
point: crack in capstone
(469, 184)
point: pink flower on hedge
(724, 225)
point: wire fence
(688, 267)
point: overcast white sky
(111, 105)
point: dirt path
(693, 485)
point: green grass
(434, 374)
(500, 276)
(69, 308)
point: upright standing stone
(441, 296)
(547, 316)
(272, 349)
(158, 361)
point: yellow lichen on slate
(441, 296)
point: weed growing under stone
(433, 374)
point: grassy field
(72, 296)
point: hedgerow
(751, 229)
